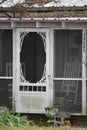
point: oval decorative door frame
(43, 36)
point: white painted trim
(56, 23)
(32, 30)
(58, 19)
(55, 79)
(47, 66)
(84, 71)
(3, 77)
(51, 42)
(14, 72)
(78, 114)
(32, 92)
(32, 84)
(17, 46)
(45, 19)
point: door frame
(16, 63)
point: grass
(40, 128)
(10, 121)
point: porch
(59, 73)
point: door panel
(31, 75)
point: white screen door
(32, 70)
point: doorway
(32, 83)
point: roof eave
(66, 19)
(43, 9)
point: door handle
(50, 77)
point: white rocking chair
(9, 67)
(71, 70)
(9, 70)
